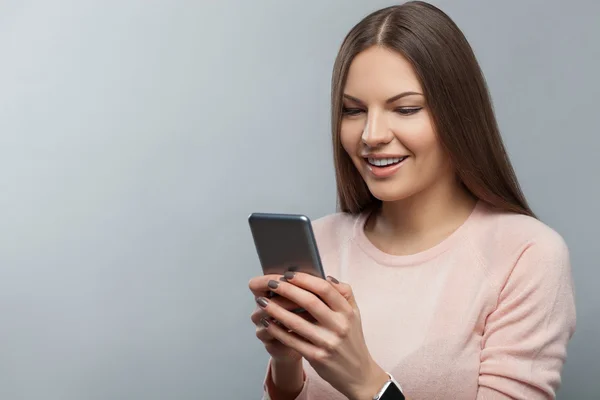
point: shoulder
(503, 238)
(333, 230)
(527, 259)
(533, 315)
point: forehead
(378, 73)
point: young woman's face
(387, 128)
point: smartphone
(285, 242)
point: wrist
(286, 378)
(376, 378)
(286, 362)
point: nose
(377, 131)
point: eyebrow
(388, 101)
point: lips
(384, 166)
(384, 162)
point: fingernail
(282, 279)
(333, 279)
(273, 284)
(289, 275)
(265, 322)
(262, 302)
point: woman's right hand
(287, 373)
(277, 350)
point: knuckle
(256, 316)
(263, 335)
(343, 329)
(273, 347)
(271, 308)
(350, 315)
(269, 347)
(325, 289)
(320, 356)
(253, 284)
(330, 346)
(291, 325)
(313, 303)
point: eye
(351, 111)
(408, 110)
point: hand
(335, 344)
(277, 350)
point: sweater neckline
(417, 258)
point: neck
(423, 219)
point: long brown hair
(457, 96)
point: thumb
(344, 289)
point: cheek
(423, 147)
(346, 142)
(430, 158)
(419, 137)
(350, 134)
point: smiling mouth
(385, 162)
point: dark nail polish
(273, 284)
(282, 279)
(333, 279)
(289, 275)
(265, 322)
(262, 302)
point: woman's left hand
(335, 344)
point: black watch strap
(390, 391)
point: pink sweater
(485, 314)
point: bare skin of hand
(287, 373)
(334, 343)
(275, 348)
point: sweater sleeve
(525, 338)
(268, 382)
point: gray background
(136, 137)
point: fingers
(297, 324)
(292, 340)
(259, 285)
(344, 289)
(263, 335)
(323, 288)
(303, 298)
(257, 315)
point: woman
(463, 293)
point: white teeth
(382, 162)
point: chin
(390, 191)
